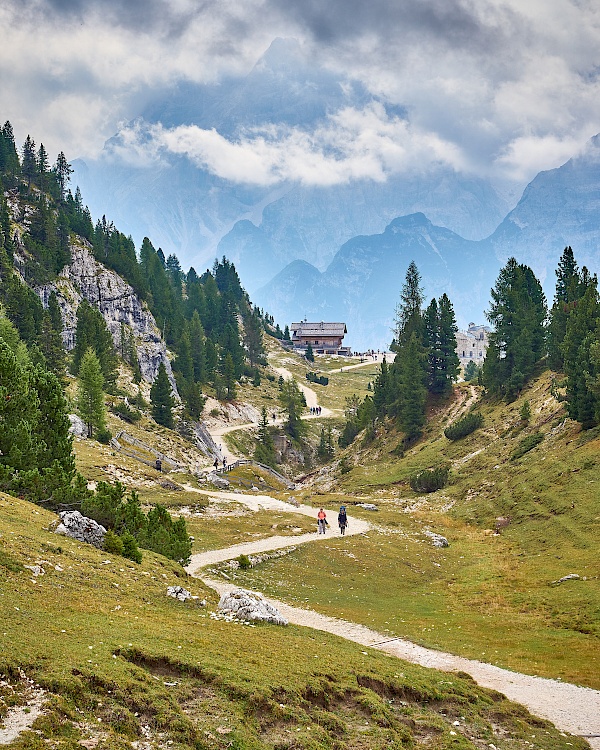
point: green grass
(122, 662)
(486, 596)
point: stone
(79, 527)
(218, 481)
(367, 506)
(251, 607)
(437, 539)
(570, 577)
(178, 592)
(78, 427)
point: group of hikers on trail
(315, 409)
(342, 520)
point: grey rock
(79, 527)
(570, 577)
(78, 427)
(85, 278)
(250, 606)
(218, 481)
(437, 539)
(367, 506)
(178, 592)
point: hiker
(342, 520)
(322, 520)
(216, 464)
(224, 463)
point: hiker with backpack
(342, 520)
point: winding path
(571, 708)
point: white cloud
(349, 145)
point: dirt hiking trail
(571, 708)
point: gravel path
(309, 394)
(20, 718)
(571, 708)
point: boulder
(218, 481)
(178, 592)
(79, 527)
(367, 506)
(78, 427)
(437, 539)
(250, 606)
(570, 577)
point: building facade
(324, 338)
(472, 344)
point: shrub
(244, 562)
(130, 548)
(312, 377)
(464, 426)
(526, 445)
(113, 544)
(125, 413)
(430, 480)
(104, 436)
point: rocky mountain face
(559, 207)
(361, 286)
(190, 211)
(85, 278)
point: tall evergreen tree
(63, 171)
(90, 393)
(197, 339)
(292, 402)
(93, 332)
(569, 288)
(412, 392)
(518, 312)
(161, 399)
(264, 452)
(29, 163)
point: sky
(498, 89)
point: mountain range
(336, 251)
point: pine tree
(569, 288)
(264, 451)
(310, 355)
(286, 333)
(161, 399)
(253, 341)
(292, 401)
(53, 436)
(518, 312)
(449, 363)
(412, 392)
(18, 415)
(228, 372)
(409, 318)
(63, 171)
(43, 167)
(197, 339)
(29, 163)
(90, 393)
(582, 337)
(93, 332)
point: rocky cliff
(85, 278)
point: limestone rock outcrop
(86, 278)
(80, 527)
(250, 606)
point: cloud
(482, 81)
(351, 144)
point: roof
(318, 329)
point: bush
(104, 436)
(312, 377)
(130, 548)
(113, 544)
(125, 413)
(430, 480)
(464, 426)
(244, 562)
(526, 445)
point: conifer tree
(90, 393)
(53, 436)
(18, 416)
(264, 452)
(29, 163)
(43, 167)
(63, 171)
(569, 288)
(292, 402)
(161, 399)
(93, 332)
(412, 392)
(197, 339)
(228, 372)
(518, 312)
(286, 333)
(309, 355)
(253, 337)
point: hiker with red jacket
(322, 520)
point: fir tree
(412, 392)
(93, 332)
(292, 401)
(569, 288)
(228, 372)
(90, 393)
(63, 171)
(309, 355)
(264, 452)
(197, 339)
(29, 163)
(161, 399)
(518, 312)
